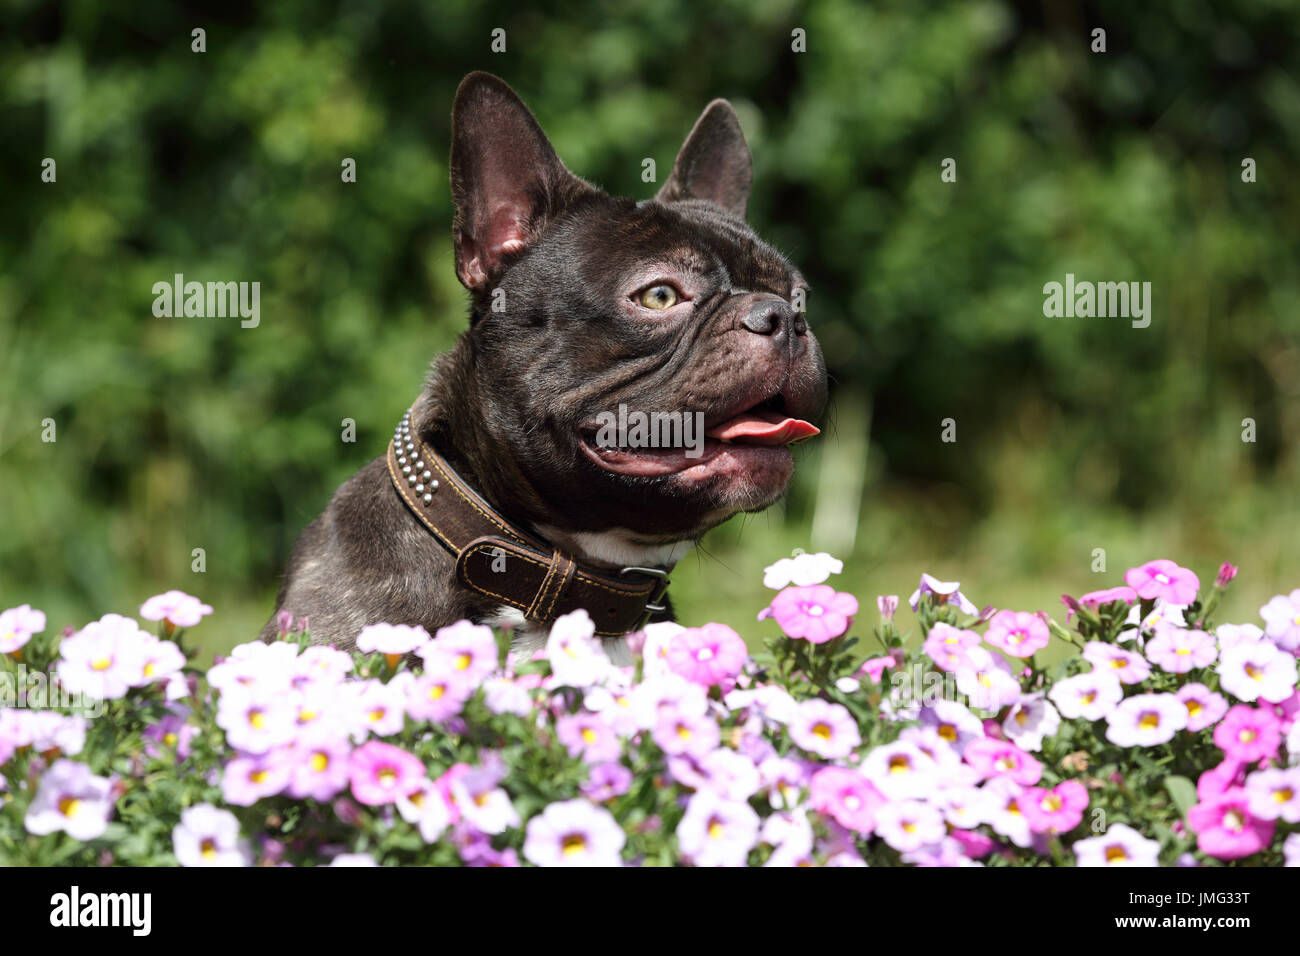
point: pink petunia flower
(380, 773)
(950, 647)
(1129, 667)
(717, 832)
(998, 758)
(1057, 810)
(1018, 633)
(901, 770)
(470, 650)
(1225, 827)
(588, 736)
(103, 659)
(1248, 734)
(1165, 580)
(606, 781)
(72, 799)
(1095, 599)
(846, 796)
(1145, 720)
(817, 613)
(708, 655)
(680, 732)
(825, 729)
(17, 625)
(1282, 620)
(1177, 651)
(175, 607)
(1031, 720)
(250, 777)
(574, 833)
(908, 825)
(1091, 696)
(1120, 845)
(1204, 706)
(987, 680)
(1274, 794)
(1257, 671)
(209, 836)
(391, 640)
(318, 769)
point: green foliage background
(1073, 434)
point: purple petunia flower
(943, 592)
(1057, 810)
(1145, 720)
(1178, 651)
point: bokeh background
(1073, 434)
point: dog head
(587, 307)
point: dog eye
(659, 297)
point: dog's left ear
(506, 180)
(714, 162)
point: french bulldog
(581, 304)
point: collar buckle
(652, 605)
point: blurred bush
(1073, 434)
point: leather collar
(501, 561)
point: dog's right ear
(506, 180)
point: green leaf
(1183, 792)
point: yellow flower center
(588, 735)
(256, 719)
(319, 761)
(463, 661)
(573, 843)
(947, 732)
(822, 730)
(899, 764)
(1149, 720)
(101, 663)
(1283, 794)
(68, 806)
(1193, 707)
(257, 776)
(208, 849)
(1115, 853)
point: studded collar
(502, 561)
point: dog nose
(771, 317)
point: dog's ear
(713, 163)
(506, 180)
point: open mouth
(759, 432)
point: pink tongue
(764, 428)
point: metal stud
(433, 486)
(406, 469)
(410, 479)
(426, 474)
(419, 489)
(428, 498)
